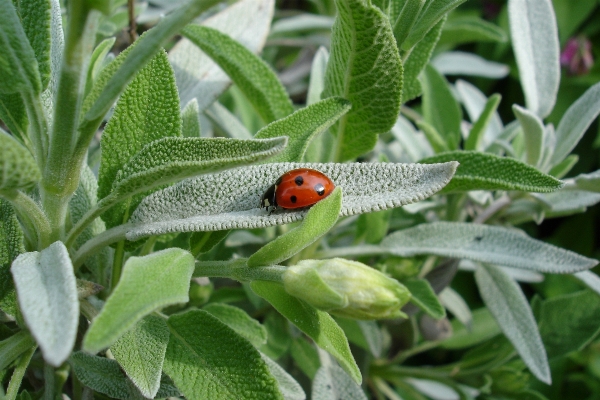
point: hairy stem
(35, 224)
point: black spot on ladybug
(320, 189)
(293, 199)
(299, 180)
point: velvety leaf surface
(569, 322)
(18, 65)
(251, 74)
(476, 135)
(590, 182)
(535, 43)
(463, 63)
(18, 169)
(141, 352)
(147, 283)
(13, 113)
(510, 308)
(423, 296)
(431, 14)
(35, 17)
(148, 110)
(533, 131)
(303, 126)
(47, 294)
(238, 320)
(483, 327)
(231, 199)
(469, 29)
(207, 360)
(13, 346)
(198, 76)
(190, 119)
(289, 388)
(317, 222)
(331, 383)
(11, 245)
(485, 171)
(485, 243)
(364, 68)
(318, 325)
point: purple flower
(577, 55)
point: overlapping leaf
(11, 245)
(18, 169)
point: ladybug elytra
(297, 188)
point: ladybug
(297, 188)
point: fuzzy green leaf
(288, 386)
(196, 362)
(231, 199)
(226, 121)
(562, 168)
(317, 222)
(533, 131)
(148, 110)
(251, 74)
(463, 63)
(18, 169)
(303, 126)
(141, 352)
(191, 120)
(474, 102)
(238, 320)
(589, 182)
(18, 65)
(13, 346)
(435, 140)
(47, 293)
(247, 22)
(331, 382)
(417, 60)
(475, 139)
(423, 296)
(147, 284)
(11, 245)
(318, 325)
(364, 68)
(485, 171)
(440, 108)
(535, 42)
(471, 29)
(35, 17)
(569, 322)
(431, 14)
(13, 114)
(406, 19)
(483, 327)
(575, 123)
(484, 243)
(510, 308)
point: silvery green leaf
(147, 283)
(231, 199)
(518, 274)
(485, 243)
(289, 388)
(510, 308)
(238, 320)
(456, 305)
(470, 29)
(331, 383)
(566, 202)
(474, 102)
(47, 293)
(590, 279)
(199, 77)
(533, 132)
(317, 76)
(575, 122)
(433, 389)
(431, 14)
(301, 22)
(535, 43)
(413, 142)
(589, 182)
(18, 168)
(190, 126)
(462, 63)
(11, 245)
(477, 131)
(226, 121)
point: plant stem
(87, 219)
(359, 251)
(117, 264)
(49, 380)
(98, 242)
(36, 226)
(38, 127)
(237, 269)
(13, 347)
(496, 206)
(18, 373)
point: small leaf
(424, 297)
(417, 60)
(18, 169)
(200, 368)
(508, 304)
(331, 382)
(440, 108)
(305, 356)
(471, 29)
(13, 114)
(47, 293)
(575, 123)
(589, 182)
(318, 325)
(191, 120)
(474, 101)
(238, 320)
(406, 19)
(485, 171)
(457, 306)
(226, 121)
(462, 63)
(569, 322)
(288, 386)
(198, 76)
(475, 139)
(484, 243)
(35, 17)
(147, 283)
(221, 201)
(434, 138)
(147, 110)
(483, 327)
(12, 347)
(11, 245)
(364, 68)
(303, 126)
(533, 132)
(318, 221)
(565, 202)
(432, 13)
(251, 74)
(18, 65)
(535, 42)
(562, 168)
(141, 352)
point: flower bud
(346, 288)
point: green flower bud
(346, 288)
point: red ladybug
(297, 188)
